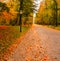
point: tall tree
(27, 7)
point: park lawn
(8, 36)
(54, 27)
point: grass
(54, 27)
(58, 27)
(8, 35)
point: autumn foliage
(7, 38)
(49, 13)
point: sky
(4, 0)
(38, 6)
(38, 2)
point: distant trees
(55, 8)
(50, 12)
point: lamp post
(21, 12)
(0, 9)
(20, 21)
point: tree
(15, 6)
(27, 7)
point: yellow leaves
(41, 9)
(9, 16)
(12, 13)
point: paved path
(39, 44)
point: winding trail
(39, 44)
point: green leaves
(28, 7)
(3, 7)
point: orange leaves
(7, 38)
(3, 27)
(27, 58)
(41, 7)
(6, 15)
(46, 58)
(29, 49)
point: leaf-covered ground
(39, 44)
(8, 34)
